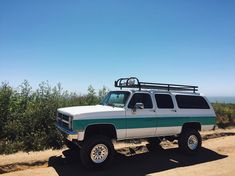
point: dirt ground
(217, 158)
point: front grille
(64, 120)
(63, 116)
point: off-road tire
(89, 144)
(186, 143)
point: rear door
(166, 114)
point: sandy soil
(217, 157)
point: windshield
(116, 98)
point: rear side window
(141, 98)
(191, 102)
(164, 101)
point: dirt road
(217, 158)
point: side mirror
(138, 106)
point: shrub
(27, 117)
(225, 114)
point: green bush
(225, 114)
(27, 117)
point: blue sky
(78, 43)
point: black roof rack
(134, 82)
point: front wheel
(97, 152)
(190, 141)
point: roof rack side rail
(134, 82)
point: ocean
(222, 99)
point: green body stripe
(143, 122)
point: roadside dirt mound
(217, 135)
(22, 166)
(22, 161)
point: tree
(91, 96)
(102, 93)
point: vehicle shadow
(137, 164)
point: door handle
(173, 110)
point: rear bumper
(69, 134)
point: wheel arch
(107, 129)
(191, 125)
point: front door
(140, 122)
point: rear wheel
(190, 141)
(97, 152)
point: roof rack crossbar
(134, 82)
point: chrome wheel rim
(99, 153)
(192, 142)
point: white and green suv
(149, 111)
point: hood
(92, 111)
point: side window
(191, 102)
(141, 98)
(164, 101)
